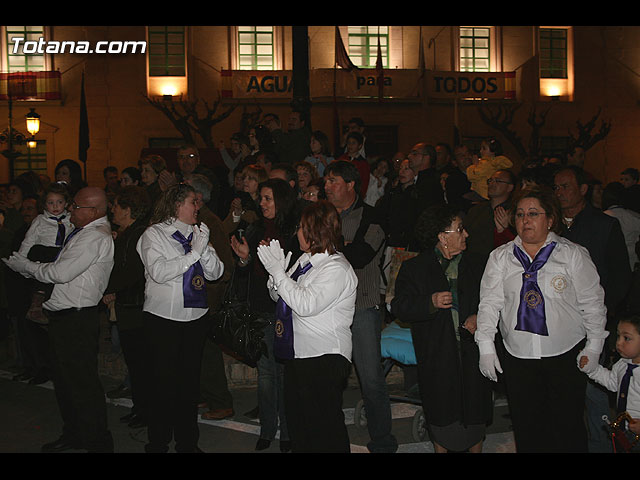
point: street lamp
(33, 126)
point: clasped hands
(200, 239)
(273, 258)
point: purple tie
(283, 343)
(194, 289)
(66, 240)
(531, 316)
(624, 388)
(61, 230)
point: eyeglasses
(460, 229)
(74, 206)
(187, 155)
(531, 215)
(496, 180)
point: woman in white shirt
(316, 303)
(177, 259)
(544, 293)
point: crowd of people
(525, 283)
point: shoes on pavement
(127, 418)
(60, 445)
(137, 422)
(218, 414)
(39, 379)
(285, 446)
(20, 377)
(252, 414)
(120, 392)
(263, 444)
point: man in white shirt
(80, 275)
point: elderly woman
(316, 303)
(150, 168)
(437, 293)
(277, 222)
(177, 260)
(125, 293)
(544, 293)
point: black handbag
(238, 330)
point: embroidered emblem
(279, 328)
(559, 283)
(532, 298)
(197, 282)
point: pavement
(30, 418)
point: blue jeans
(366, 328)
(271, 391)
(597, 405)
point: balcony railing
(38, 86)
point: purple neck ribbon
(194, 291)
(61, 230)
(531, 315)
(283, 343)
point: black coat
(451, 385)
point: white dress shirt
(323, 303)
(165, 263)
(574, 301)
(610, 379)
(43, 231)
(81, 271)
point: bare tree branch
(586, 137)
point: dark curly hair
(136, 198)
(433, 221)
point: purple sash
(531, 316)
(194, 289)
(283, 343)
(66, 240)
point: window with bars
(475, 49)
(256, 48)
(20, 61)
(363, 45)
(166, 49)
(553, 53)
(31, 158)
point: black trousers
(313, 389)
(214, 388)
(134, 349)
(175, 354)
(546, 401)
(74, 340)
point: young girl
(628, 346)
(44, 239)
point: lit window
(31, 158)
(475, 49)
(363, 45)
(166, 49)
(256, 48)
(19, 61)
(553, 52)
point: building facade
(431, 84)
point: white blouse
(322, 302)
(574, 301)
(165, 263)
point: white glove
(17, 263)
(489, 363)
(200, 239)
(592, 364)
(272, 259)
